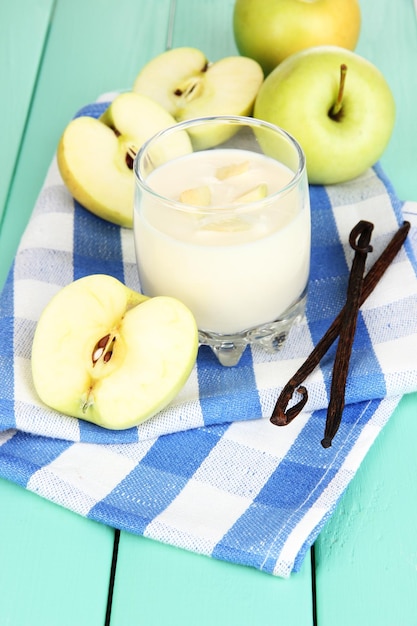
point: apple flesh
(271, 30)
(95, 156)
(188, 86)
(108, 355)
(300, 96)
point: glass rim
(244, 121)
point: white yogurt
(234, 265)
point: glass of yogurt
(222, 222)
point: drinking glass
(222, 222)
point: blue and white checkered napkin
(210, 473)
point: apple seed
(103, 349)
(130, 156)
(189, 90)
(131, 149)
(191, 87)
(109, 353)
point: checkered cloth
(210, 473)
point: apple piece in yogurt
(254, 194)
(197, 196)
(234, 169)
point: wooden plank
(102, 51)
(208, 27)
(23, 30)
(196, 589)
(92, 48)
(367, 554)
(389, 39)
(158, 584)
(54, 565)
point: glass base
(271, 337)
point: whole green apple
(338, 106)
(271, 30)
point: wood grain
(54, 565)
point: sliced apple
(197, 196)
(106, 354)
(171, 77)
(234, 169)
(184, 82)
(95, 156)
(254, 194)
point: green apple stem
(335, 111)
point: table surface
(57, 568)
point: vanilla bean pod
(282, 416)
(359, 241)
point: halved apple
(106, 354)
(188, 86)
(95, 156)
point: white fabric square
(237, 469)
(260, 435)
(31, 297)
(51, 231)
(396, 284)
(83, 468)
(210, 512)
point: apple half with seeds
(189, 86)
(95, 156)
(109, 355)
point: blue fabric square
(181, 454)
(101, 254)
(22, 455)
(240, 381)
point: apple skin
(92, 154)
(271, 30)
(299, 94)
(152, 355)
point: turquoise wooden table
(57, 568)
